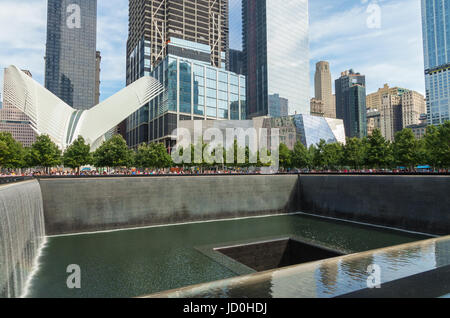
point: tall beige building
(373, 121)
(373, 101)
(390, 115)
(413, 107)
(16, 122)
(397, 107)
(324, 90)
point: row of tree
(373, 152)
(44, 153)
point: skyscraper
(413, 108)
(276, 54)
(374, 100)
(278, 106)
(351, 103)
(323, 89)
(397, 108)
(14, 121)
(183, 44)
(152, 23)
(236, 61)
(390, 116)
(436, 44)
(70, 58)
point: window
(185, 87)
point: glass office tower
(193, 29)
(194, 90)
(70, 58)
(436, 43)
(351, 103)
(276, 54)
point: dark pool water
(139, 262)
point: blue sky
(339, 33)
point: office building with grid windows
(351, 103)
(193, 90)
(195, 30)
(436, 44)
(70, 58)
(14, 121)
(276, 54)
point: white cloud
(22, 36)
(392, 54)
(338, 33)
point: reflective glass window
(211, 112)
(185, 87)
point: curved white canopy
(49, 115)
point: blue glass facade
(70, 61)
(351, 103)
(276, 54)
(436, 43)
(194, 90)
(314, 129)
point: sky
(381, 39)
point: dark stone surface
(96, 204)
(414, 203)
(270, 255)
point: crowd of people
(180, 171)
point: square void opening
(270, 255)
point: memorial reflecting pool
(138, 262)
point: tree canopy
(113, 153)
(11, 152)
(78, 154)
(154, 155)
(44, 153)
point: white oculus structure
(51, 116)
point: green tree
(27, 161)
(406, 149)
(319, 160)
(44, 153)
(444, 136)
(113, 153)
(285, 156)
(301, 157)
(154, 155)
(78, 154)
(333, 155)
(354, 153)
(264, 155)
(432, 146)
(11, 152)
(437, 145)
(379, 151)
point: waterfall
(22, 234)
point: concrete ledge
(414, 203)
(96, 204)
